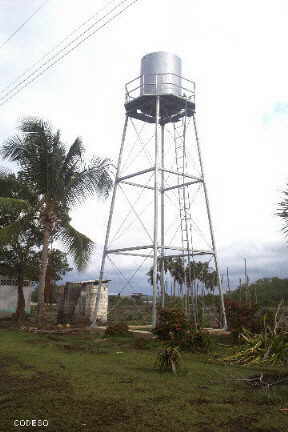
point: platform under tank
(161, 76)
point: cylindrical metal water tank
(161, 74)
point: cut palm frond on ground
(266, 347)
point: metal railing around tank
(160, 84)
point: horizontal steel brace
(108, 251)
(132, 254)
(181, 185)
(135, 174)
(162, 190)
(190, 254)
(181, 174)
(137, 184)
(165, 256)
(193, 252)
(134, 248)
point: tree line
(185, 274)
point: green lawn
(86, 383)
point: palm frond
(78, 245)
(35, 125)
(13, 148)
(43, 160)
(40, 153)
(95, 178)
(74, 156)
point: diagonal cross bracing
(147, 154)
(137, 215)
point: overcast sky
(236, 52)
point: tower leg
(211, 229)
(156, 199)
(110, 218)
(189, 240)
(162, 279)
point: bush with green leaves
(169, 360)
(174, 327)
(171, 324)
(142, 343)
(196, 341)
(241, 315)
(117, 329)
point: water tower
(160, 170)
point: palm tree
(61, 180)
(150, 274)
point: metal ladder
(184, 205)
(183, 192)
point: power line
(58, 53)
(66, 51)
(30, 68)
(23, 24)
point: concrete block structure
(85, 299)
(9, 294)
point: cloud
(267, 259)
(281, 108)
(278, 110)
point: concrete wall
(102, 306)
(8, 295)
(86, 301)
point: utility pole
(222, 280)
(228, 280)
(246, 280)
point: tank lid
(156, 53)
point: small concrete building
(80, 299)
(9, 295)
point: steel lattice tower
(162, 101)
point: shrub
(174, 327)
(196, 341)
(117, 329)
(172, 324)
(141, 343)
(241, 316)
(169, 360)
